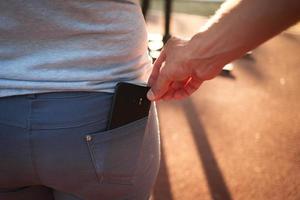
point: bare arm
(237, 27)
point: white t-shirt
(70, 45)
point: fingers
(179, 90)
(156, 67)
(193, 84)
(189, 88)
(159, 84)
(159, 88)
(169, 95)
(170, 77)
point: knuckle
(172, 41)
(164, 74)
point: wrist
(202, 45)
(199, 48)
(208, 50)
(216, 46)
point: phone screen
(130, 103)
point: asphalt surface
(238, 136)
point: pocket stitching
(92, 142)
(99, 177)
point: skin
(237, 27)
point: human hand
(180, 70)
(229, 34)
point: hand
(229, 34)
(179, 70)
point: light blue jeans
(54, 146)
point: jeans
(54, 146)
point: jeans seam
(92, 156)
(29, 127)
(89, 94)
(72, 125)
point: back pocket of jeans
(115, 153)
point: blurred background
(238, 136)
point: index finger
(156, 67)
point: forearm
(241, 25)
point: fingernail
(150, 95)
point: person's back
(50, 45)
(59, 63)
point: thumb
(159, 88)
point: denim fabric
(54, 146)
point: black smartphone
(129, 104)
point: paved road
(238, 137)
